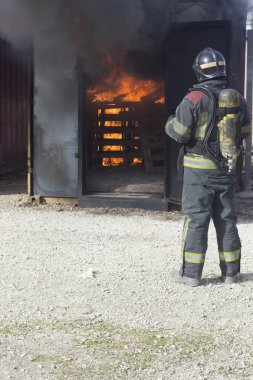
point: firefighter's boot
(184, 280)
(230, 279)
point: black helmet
(209, 64)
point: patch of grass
(105, 327)
(140, 360)
(12, 328)
(154, 341)
(34, 326)
(52, 359)
(7, 330)
(114, 351)
(189, 347)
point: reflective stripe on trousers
(194, 258)
(230, 256)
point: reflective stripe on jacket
(199, 162)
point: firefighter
(210, 124)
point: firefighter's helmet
(209, 64)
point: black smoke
(120, 32)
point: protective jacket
(208, 191)
(193, 118)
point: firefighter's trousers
(208, 194)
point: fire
(109, 161)
(113, 93)
(115, 142)
(119, 85)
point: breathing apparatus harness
(225, 162)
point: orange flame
(119, 85)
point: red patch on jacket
(195, 96)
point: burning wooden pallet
(126, 135)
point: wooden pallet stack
(125, 135)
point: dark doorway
(185, 41)
(122, 150)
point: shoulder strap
(215, 156)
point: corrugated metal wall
(14, 105)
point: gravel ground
(86, 294)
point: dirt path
(86, 294)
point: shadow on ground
(243, 277)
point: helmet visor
(213, 69)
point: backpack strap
(211, 153)
(224, 111)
